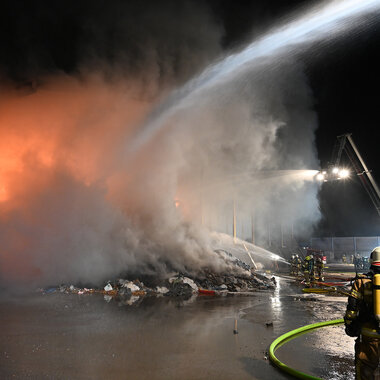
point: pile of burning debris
(175, 286)
(241, 280)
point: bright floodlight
(320, 177)
(335, 170)
(344, 173)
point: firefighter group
(311, 268)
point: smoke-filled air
(129, 164)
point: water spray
(319, 23)
(262, 175)
(242, 249)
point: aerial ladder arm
(346, 143)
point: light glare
(320, 177)
(344, 173)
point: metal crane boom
(359, 166)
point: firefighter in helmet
(320, 267)
(293, 265)
(298, 266)
(308, 270)
(362, 319)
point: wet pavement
(68, 336)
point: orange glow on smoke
(3, 194)
(69, 125)
(76, 128)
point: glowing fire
(66, 134)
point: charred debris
(240, 279)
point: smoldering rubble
(241, 280)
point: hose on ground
(318, 290)
(291, 335)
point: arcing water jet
(320, 22)
(263, 175)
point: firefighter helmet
(375, 257)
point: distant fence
(337, 246)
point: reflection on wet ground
(64, 336)
(325, 352)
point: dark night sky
(39, 38)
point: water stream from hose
(323, 22)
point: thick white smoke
(75, 205)
(250, 143)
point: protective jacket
(319, 267)
(308, 264)
(299, 265)
(308, 270)
(293, 265)
(360, 321)
(359, 317)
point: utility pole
(234, 221)
(201, 195)
(253, 227)
(282, 235)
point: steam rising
(76, 205)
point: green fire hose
(291, 335)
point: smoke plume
(76, 205)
